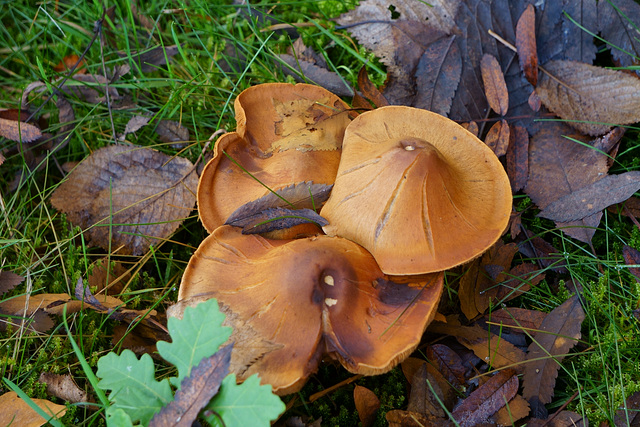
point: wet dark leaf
(629, 413)
(314, 74)
(518, 158)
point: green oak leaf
(197, 335)
(133, 386)
(246, 404)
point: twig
(70, 72)
(97, 29)
(326, 391)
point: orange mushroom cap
(286, 134)
(418, 191)
(314, 296)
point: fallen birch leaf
(135, 196)
(369, 90)
(520, 319)
(9, 280)
(592, 99)
(314, 74)
(172, 131)
(593, 198)
(495, 88)
(426, 397)
(518, 158)
(133, 125)
(629, 413)
(448, 363)
(631, 257)
(559, 331)
(515, 410)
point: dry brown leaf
(487, 399)
(593, 198)
(63, 387)
(560, 419)
(582, 93)
(19, 131)
(631, 257)
(426, 397)
(9, 280)
(542, 252)
(559, 331)
(498, 137)
(526, 44)
(534, 101)
(367, 405)
(90, 88)
(136, 196)
(400, 418)
(515, 410)
(277, 219)
(114, 279)
(518, 158)
(495, 88)
(68, 62)
(16, 412)
(369, 90)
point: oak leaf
(15, 411)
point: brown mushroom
(310, 297)
(286, 134)
(417, 190)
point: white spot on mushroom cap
(409, 148)
(329, 280)
(330, 301)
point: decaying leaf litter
(563, 168)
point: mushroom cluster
(413, 194)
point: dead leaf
(498, 137)
(426, 397)
(63, 387)
(277, 219)
(518, 158)
(542, 252)
(629, 413)
(141, 337)
(534, 101)
(113, 279)
(17, 312)
(136, 196)
(526, 44)
(561, 419)
(367, 405)
(68, 62)
(19, 131)
(195, 391)
(151, 59)
(369, 90)
(582, 93)
(16, 412)
(478, 290)
(558, 165)
(559, 331)
(520, 318)
(515, 410)
(90, 88)
(134, 124)
(495, 88)
(490, 348)
(312, 73)
(448, 363)
(593, 198)
(9, 280)
(487, 399)
(400, 418)
(472, 127)
(618, 21)
(631, 257)
(172, 131)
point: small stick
(326, 391)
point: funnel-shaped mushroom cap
(224, 186)
(417, 190)
(286, 134)
(271, 112)
(311, 297)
